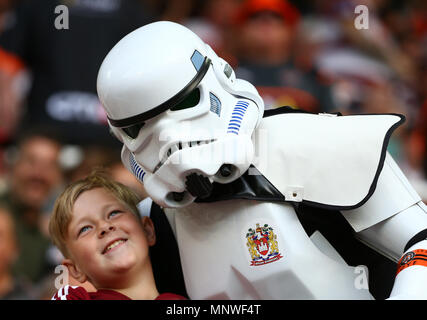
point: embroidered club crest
(262, 245)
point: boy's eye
(84, 229)
(114, 213)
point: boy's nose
(105, 229)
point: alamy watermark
(362, 20)
(62, 18)
(361, 281)
(63, 278)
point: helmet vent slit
(215, 104)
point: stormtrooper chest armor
(245, 249)
(246, 241)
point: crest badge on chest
(262, 245)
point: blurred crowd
(307, 54)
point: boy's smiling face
(106, 241)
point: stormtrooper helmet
(184, 119)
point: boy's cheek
(84, 252)
(89, 262)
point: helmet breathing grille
(215, 104)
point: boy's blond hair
(62, 211)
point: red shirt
(80, 293)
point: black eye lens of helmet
(133, 130)
(191, 100)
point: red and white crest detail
(262, 245)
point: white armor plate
(225, 256)
(324, 159)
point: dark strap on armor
(248, 186)
(420, 236)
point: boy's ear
(150, 233)
(74, 270)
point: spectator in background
(212, 21)
(172, 10)
(11, 287)
(90, 158)
(64, 62)
(34, 174)
(378, 69)
(11, 77)
(407, 22)
(265, 33)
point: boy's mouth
(113, 244)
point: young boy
(96, 225)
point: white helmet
(184, 119)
